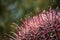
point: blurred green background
(13, 10)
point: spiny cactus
(44, 26)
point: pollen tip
(13, 23)
(28, 16)
(25, 18)
(57, 8)
(44, 11)
(21, 19)
(50, 8)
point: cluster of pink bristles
(44, 26)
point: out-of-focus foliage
(12, 10)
